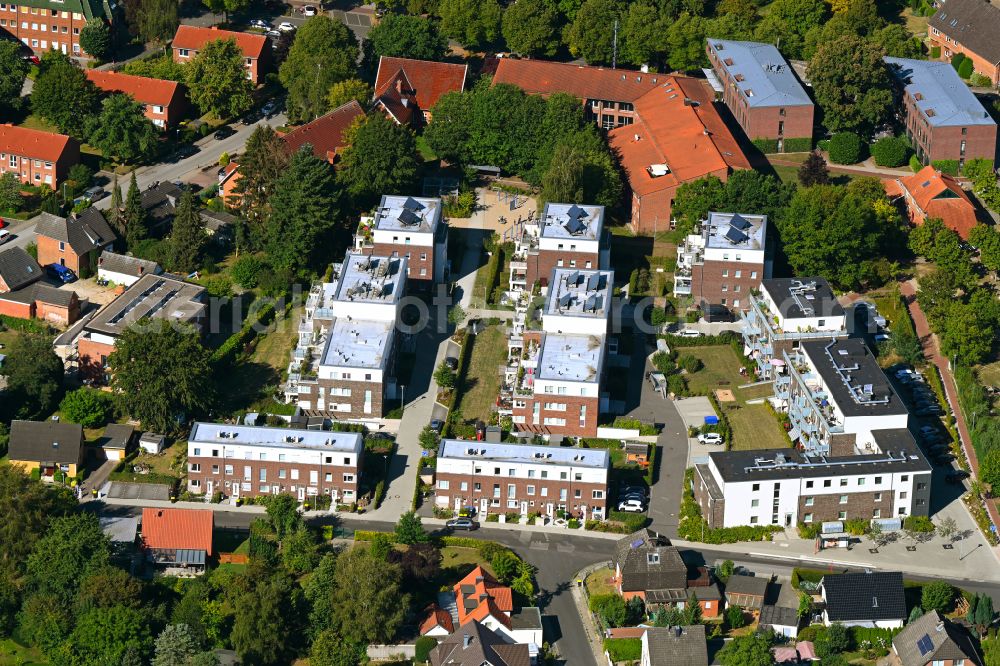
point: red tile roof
(33, 143)
(195, 38)
(156, 92)
(544, 78)
(479, 595)
(677, 125)
(936, 195)
(437, 617)
(428, 80)
(186, 529)
(398, 97)
(326, 133)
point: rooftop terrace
(357, 343)
(409, 214)
(572, 221)
(579, 292)
(571, 358)
(370, 279)
(735, 231)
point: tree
(34, 378)
(734, 617)
(343, 92)
(695, 199)
(133, 216)
(368, 604)
(890, 151)
(419, 563)
(588, 36)
(582, 170)
(304, 202)
(121, 131)
(161, 373)
(266, 625)
(813, 171)
(456, 315)
(176, 645)
(989, 468)
(643, 34)
(13, 71)
(283, 515)
(156, 20)
(965, 69)
(410, 529)
(692, 610)
(845, 148)
(381, 156)
(564, 179)
(381, 546)
(95, 39)
(474, 23)
(187, 236)
(531, 27)
(107, 635)
(915, 614)
(896, 41)
(88, 407)
(505, 565)
(686, 42)
(10, 190)
(987, 240)
(749, 650)
(851, 84)
(73, 547)
(964, 334)
(428, 438)
(982, 616)
(62, 94)
(789, 21)
(28, 508)
(937, 595)
(264, 161)
(318, 589)
(300, 551)
(324, 52)
(226, 7)
(445, 376)
(403, 36)
(329, 649)
(725, 570)
(524, 583)
(947, 527)
(217, 80)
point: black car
(462, 524)
(251, 118)
(224, 131)
(452, 363)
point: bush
(856, 526)
(690, 363)
(890, 151)
(423, 647)
(915, 164)
(799, 145)
(918, 524)
(247, 270)
(937, 595)
(808, 575)
(935, 52)
(949, 167)
(965, 69)
(624, 649)
(88, 407)
(845, 148)
(980, 80)
(957, 60)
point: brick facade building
(411, 228)
(189, 39)
(563, 236)
(761, 91)
(24, 296)
(406, 89)
(968, 27)
(164, 102)
(36, 157)
(499, 478)
(943, 119)
(250, 461)
(46, 25)
(75, 242)
(932, 194)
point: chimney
(142, 269)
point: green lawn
(14, 654)
(754, 427)
(252, 382)
(425, 150)
(599, 582)
(482, 379)
(989, 374)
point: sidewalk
(586, 617)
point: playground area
(497, 211)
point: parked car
(881, 337)
(5, 236)
(437, 425)
(33, 59)
(689, 333)
(95, 193)
(462, 524)
(452, 363)
(309, 10)
(251, 118)
(631, 506)
(269, 109)
(642, 491)
(224, 131)
(271, 32)
(260, 23)
(285, 26)
(710, 438)
(61, 273)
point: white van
(5, 236)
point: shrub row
(694, 527)
(766, 146)
(724, 338)
(460, 376)
(652, 464)
(949, 167)
(635, 424)
(799, 144)
(24, 325)
(229, 349)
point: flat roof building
(410, 227)
(724, 260)
(564, 235)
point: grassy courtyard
(753, 425)
(481, 384)
(15, 654)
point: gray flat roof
(122, 529)
(764, 72)
(585, 293)
(371, 279)
(854, 378)
(799, 298)
(291, 438)
(409, 214)
(153, 297)
(357, 343)
(737, 231)
(564, 456)
(572, 221)
(571, 358)
(939, 92)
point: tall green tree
(788, 21)
(404, 36)
(410, 529)
(217, 80)
(531, 27)
(10, 192)
(324, 52)
(581, 171)
(368, 604)
(852, 85)
(34, 378)
(643, 34)
(268, 611)
(263, 161)
(72, 548)
(28, 508)
(304, 205)
(748, 650)
(96, 39)
(62, 94)
(161, 373)
(987, 240)
(114, 212)
(381, 156)
(226, 7)
(156, 20)
(13, 71)
(589, 36)
(686, 42)
(343, 92)
(896, 41)
(121, 131)
(133, 215)
(109, 636)
(176, 645)
(329, 649)
(187, 237)
(474, 23)
(318, 589)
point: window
(738, 274)
(578, 476)
(843, 499)
(841, 515)
(184, 53)
(511, 471)
(652, 558)
(921, 486)
(902, 495)
(229, 470)
(827, 483)
(876, 513)
(443, 484)
(197, 452)
(904, 478)
(215, 469)
(282, 474)
(755, 487)
(531, 490)
(545, 492)
(809, 484)
(843, 483)
(348, 478)
(725, 272)
(577, 495)
(810, 501)
(754, 503)
(195, 467)
(496, 490)
(597, 494)
(877, 497)
(807, 518)
(295, 475)
(753, 520)
(861, 481)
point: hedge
(24, 325)
(652, 464)
(799, 145)
(379, 494)
(808, 575)
(766, 146)
(460, 376)
(845, 148)
(949, 167)
(623, 649)
(890, 151)
(229, 349)
(423, 647)
(935, 52)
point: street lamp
(402, 402)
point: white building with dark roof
(563, 236)
(412, 228)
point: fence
(391, 652)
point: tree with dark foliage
(813, 171)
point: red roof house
(326, 133)
(437, 623)
(36, 157)
(189, 39)
(930, 193)
(177, 529)
(165, 101)
(479, 596)
(407, 89)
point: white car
(309, 10)
(710, 438)
(285, 26)
(631, 506)
(689, 333)
(5, 236)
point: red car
(3, 223)
(33, 59)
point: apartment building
(412, 228)
(762, 92)
(929, 193)
(724, 260)
(345, 358)
(250, 461)
(498, 478)
(783, 314)
(164, 102)
(837, 397)
(552, 380)
(968, 27)
(256, 49)
(407, 89)
(54, 25)
(787, 487)
(563, 236)
(36, 157)
(150, 297)
(943, 119)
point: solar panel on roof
(735, 236)
(589, 305)
(409, 217)
(575, 212)
(573, 278)
(412, 204)
(594, 281)
(925, 645)
(565, 299)
(575, 226)
(637, 543)
(739, 222)
(598, 302)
